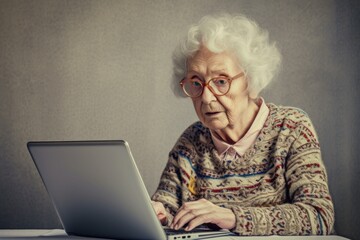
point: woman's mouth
(211, 113)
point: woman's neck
(233, 133)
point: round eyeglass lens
(193, 87)
(220, 85)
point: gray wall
(72, 70)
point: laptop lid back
(96, 189)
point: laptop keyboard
(170, 231)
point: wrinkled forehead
(206, 61)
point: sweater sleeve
(309, 210)
(169, 189)
(177, 182)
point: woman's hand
(160, 212)
(202, 211)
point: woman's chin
(215, 124)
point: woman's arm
(168, 192)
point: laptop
(97, 191)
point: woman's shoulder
(195, 138)
(287, 112)
(195, 135)
(292, 117)
(195, 131)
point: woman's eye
(220, 82)
(196, 83)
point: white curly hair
(259, 59)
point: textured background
(72, 70)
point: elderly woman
(249, 166)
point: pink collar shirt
(229, 152)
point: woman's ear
(253, 94)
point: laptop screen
(96, 189)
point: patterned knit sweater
(278, 187)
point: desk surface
(60, 234)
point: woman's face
(218, 112)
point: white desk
(43, 234)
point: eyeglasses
(219, 86)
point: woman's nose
(207, 95)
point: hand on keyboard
(160, 212)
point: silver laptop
(97, 191)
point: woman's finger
(189, 211)
(200, 219)
(183, 210)
(162, 218)
(184, 220)
(160, 212)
